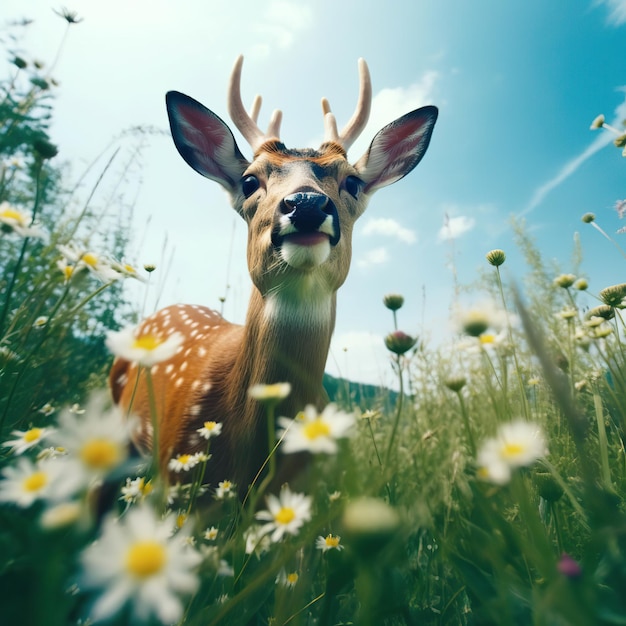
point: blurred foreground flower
(315, 432)
(330, 542)
(139, 560)
(285, 514)
(20, 222)
(85, 259)
(270, 393)
(517, 444)
(26, 439)
(399, 342)
(145, 349)
(476, 320)
(393, 301)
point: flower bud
(597, 123)
(399, 342)
(455, 383)
(393, 301)
(565, 280)
(603, 311)
(370, 524)
(613, 295)
(496, 257)
(19, 62)
(581, 284)
(149, 267)
(569, 567)
(547, 486)
(620, 142)
(45, 149)
(587, 218)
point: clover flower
(315, 432)
(330, 542)
(516, 444)
(145, 349)
(20, 222)
(27, 439)
(285, 514)
(143, 561)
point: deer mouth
(305, 251)
(306, 239)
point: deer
(300, 207)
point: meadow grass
(491, 492)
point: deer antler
(247, 124)
(358, 120)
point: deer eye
(353, 185)
(249, 184)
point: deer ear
(205, 141)
(397, 149)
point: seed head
(603, 311)
(496, 257)
(393, 301)
(587, 218)
(613, 295)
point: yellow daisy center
(35, 482)
(331, 541)
(285, 515)
(145, 559)
(183, 459)
(226, 484)
(32, 435)
(210, 425)
(487, 338)
(292, 578)
(147, 342)
(512, 449)
(100, 453)
(90, 259)
(12, 214)
(316, 428)
(68, 270)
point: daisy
(517, 444)
(25, 482)
(183, 462)
(256, 541)
(286, 513)
(20, 222)
(210, 429)
(225, 489)
(96, 264)
(138, 560)
(287, 579)
(136, 489)
(145, 349)
(315, 432)
(210, 534)
(96, 441)
(270, 393)
(330, 542)
(27, 439)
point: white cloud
(617, 11)
(603, 139)
(377, 256)
(391, 103)
(389, 228)
(454, 227)
(283, 22)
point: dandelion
(225, 489)
(140, 560)
(97, 440)
(517, 444)
(145, 349)
(183, 463)
(270, 393)
(330, 542)
(315, 432)
(287, 579)
(20, 222)
(25, 482)
(285, 514)
(210, 429)
(26, 439)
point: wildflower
(41, 321)
(330, 542)
(66, 269)
(25, 482)
(393, 301)
(26, 439)
(581, 284)
(145, 349)
(477, 320)
(568, 313)
(183, 463)
(71, 17)
(496, 257)
(370, 524)
(587, 218)
(334, 496)
(96, 264)
(285, 514)
(136, 489)
(569, 567)
(76, 409)
(225, 489)
(455, 383)
(597, 123)
(601, 312)
(517, 444)
(315, 432)
(210, 429)
(47, 409)
(620, 142)
(97, 440)
(210, 534)
(61, 515)
(288, 580)
(126, 269)
(20, 222)
(613, 295)
(270, 393)
(138, 560)
(371, 414)
(399, 342)
(256, 540)
(565, 281)
(149, 267)
(601, 332)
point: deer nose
(306, 209)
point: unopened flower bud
(496, 257)
(455, 383)
(603, 311)
(597, 123)
(547, 486)
(370, 524)
(399, 342)
(149, 267)
(45, 149)
(565, 280)
(19, 62)
(393, 301)
(587, 218)
(620, 142)
(569, 567)
(581, 284)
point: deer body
(300, 207)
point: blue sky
(517, 84)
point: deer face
(300, 205)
